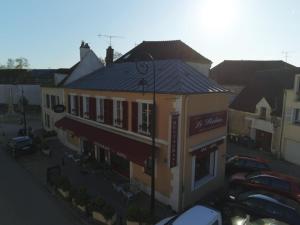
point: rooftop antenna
(286, 55)
(109, 37)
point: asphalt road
(24, 201)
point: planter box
(99, 217)
(63, 193)
(128, 222)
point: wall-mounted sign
(174, 138)
(59, 108)
(205, 122)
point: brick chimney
(109, 59)
(84, 49)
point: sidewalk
(276, 164)
(96, 183)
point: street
(26, 202)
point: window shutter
(76, 105)
(69, 104)
(134, 116)
(92, 108)
(125, 115)
(108, 111)
(81, 106)
(48, 101)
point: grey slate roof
(172, 76)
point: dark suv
(21, 146)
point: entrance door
(120, 165)
(100, 154)
(263, 140)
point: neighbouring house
(235, 75)
(13, 81)
(161, 50)
(53, 93)
(109, 114)
(290, 144)
(258, 111)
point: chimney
(109, 59)
(84, 49)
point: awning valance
(135, 151)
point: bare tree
(18, 63)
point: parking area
(278, 165)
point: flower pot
(63, 193)
(99, 217)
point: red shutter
(134, 116)
(76, 105)
(108, 111)
(125, 115)
(81, 106)
(69, 104)
(92, 108)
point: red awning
(132, 150)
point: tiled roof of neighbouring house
(269, 84)
(242, 72)
(161, 50)
(172, 76)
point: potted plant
(80, 198)
(137, 215)
(64, 186)
(103, 212)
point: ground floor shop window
(203, 169)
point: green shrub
(98, 204)
(107, 211)
(81, 197)
(137, 214)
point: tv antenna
(109, 37)
(286, 55)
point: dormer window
(263, 113)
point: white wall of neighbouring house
(202, 68)
(87, 65)
(31, 92)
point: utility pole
(109, 36)
(24, 112)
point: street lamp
(143, 68)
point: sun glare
(217, 15)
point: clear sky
(48, 32)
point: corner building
(109, 116)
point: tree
(117, 55)
(18, 63)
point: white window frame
(73, 110)
(117, 117)
(86, 107)
(212, 171)
(140, 118)
(296, 120)
(99, 109)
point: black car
(21, 146)
(263, 205)
(236, 164)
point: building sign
(174, 138)
(207, 148)
(59, 108)
(205, 122)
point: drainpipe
(282, 123)
(183, 155)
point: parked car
(197, 215)
(269, 181)
(260, 204)
(21, 146)
(247, 164)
